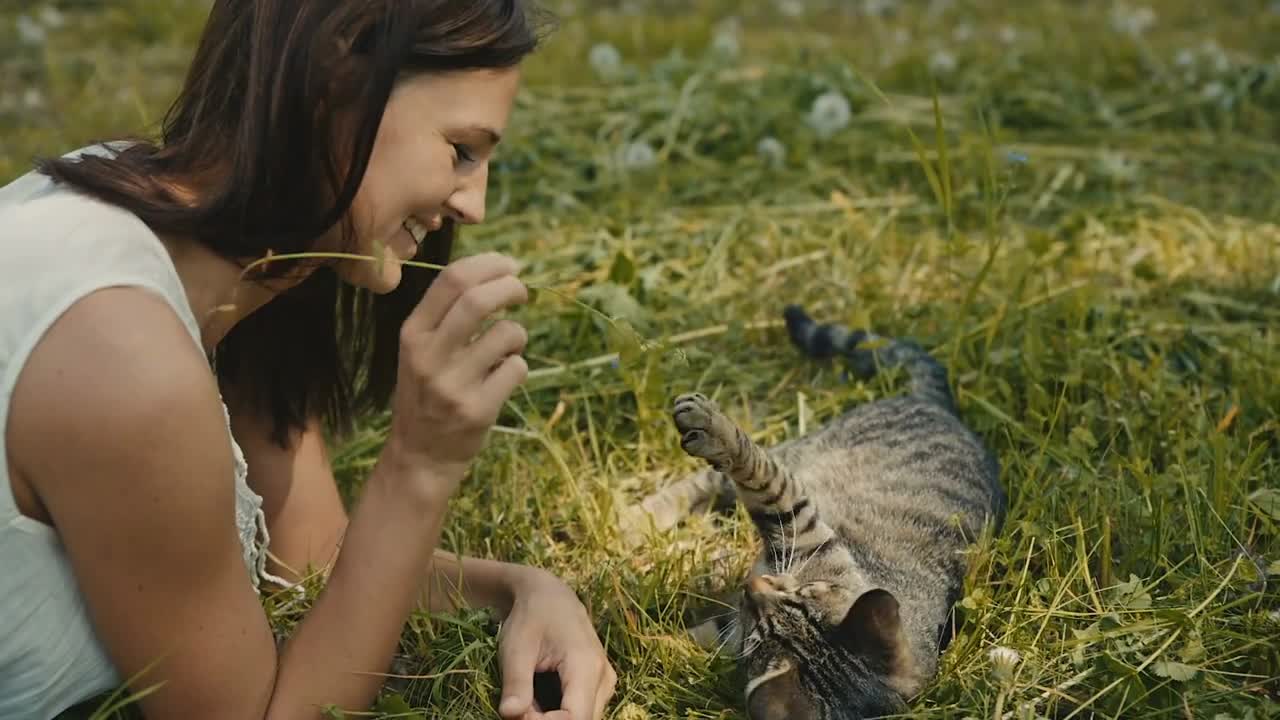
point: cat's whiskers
(725, 635)
(790, 554)
(813, 553)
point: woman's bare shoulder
(116, 360)
(116, 423)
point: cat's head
(818, 651)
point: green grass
(1082, 230)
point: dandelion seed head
(725, 43)
(1008, 34)
(1132, 21)
(829, 114)
(1118, 167)
(30, 31)
(942, 62)
(790, 8)
(1003, 662)
(605, 59)
(638, 155)
(772, 151)
(52, 17)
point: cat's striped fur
(863, 524)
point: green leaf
(1173, 670)
(1267, 500)
(614, 300)
(626, 342)
(623, 270)
(1081, 437)
(395, 705)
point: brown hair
(262, 94)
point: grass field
(1082, 221)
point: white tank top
(56, 246)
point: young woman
(133, 506)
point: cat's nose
(760, 584)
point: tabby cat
(864, 523)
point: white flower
(1008, 34)
(772, 151)
(30, 31)
(1003, 662)
(962, 32)
(605, 60)
(942, 62)
(830, 114)
(638, 155)
(1213, 90)
(32, 98)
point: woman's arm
(544, 626)
(116, 424)
(307, 520)
(130, 455)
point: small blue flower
(615, 363)
(1016, 157)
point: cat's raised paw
(704, 432)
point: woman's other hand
(547, 630)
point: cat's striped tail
(823, 341)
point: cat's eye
(813, 589)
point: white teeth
(416, 229)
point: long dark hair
(273, 129)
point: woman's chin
(368, 276)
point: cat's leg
(773, 496)
(664, 509)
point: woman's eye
(463, 152)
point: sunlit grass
(1086, 232)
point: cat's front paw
(704, 432)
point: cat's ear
(781, 698)
(873, 629)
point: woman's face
(430, 162)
